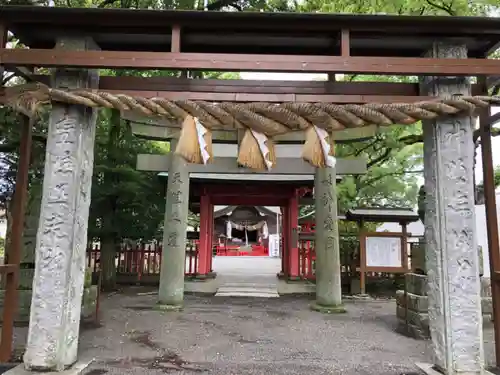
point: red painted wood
(244, 200)
(249, 188)
(210, 235)
(205, 235)
(293, 257)
(286, 240)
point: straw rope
(267, 118)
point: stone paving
(240, 336)
(243, 336)
(217, 335)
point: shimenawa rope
(266, 119)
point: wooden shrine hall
(263, 119)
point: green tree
(126, 203)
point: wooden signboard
(383, 252)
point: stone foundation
(89, 301)
(411, 311)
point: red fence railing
(142, 259)
(307, 259)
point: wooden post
(491, 219)
(362, 257)
(210, 236)
(404, 246)
(203, 265)
(286, 242)
(293, 223)
(19, 206)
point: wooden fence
(141, 262)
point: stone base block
(304, 287)
(487, 305)
(414, 302)
(89, 301)
(207, 286)
(412, 310)
(485, 287)
(78, 368)
(173, 308)
(418, 319)
(412, 331)
(416, 284)
(336, 309)
(429, 369)
(355, 287)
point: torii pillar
(328, 273)
(62, 232)
(452, 260)
(173, 257)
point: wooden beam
(274, 90)
(163, 130)
(172, 84)
(284, 166)
(249, 62)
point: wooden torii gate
(320, 43)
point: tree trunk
(108, 263)
(109, 236)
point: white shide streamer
(330, 161)
(229, 229)
(261, 140)
(201, 131)
(265, 231)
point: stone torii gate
(288, 167)
(452, 262)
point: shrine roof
(382, 214)
(250, 32)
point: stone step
(265, 291)
(249, 285)
(247, 294)
(247, 289)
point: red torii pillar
(290, 255)
(293, 258)
(206, 235)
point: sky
(322, 77)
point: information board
(383, 252)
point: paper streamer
(330, 160)
(265, 231)
(229, 229)
(201, 131)
(261, 140)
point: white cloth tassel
(229, 229)
(201, 131)
(261, 140)
(265, 231)
(330, 161)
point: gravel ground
(240, 336)
(217, 335)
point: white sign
(274, 245)
(383, 252)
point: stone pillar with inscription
(62, 232)
(328, 276)
(173, 258)
(452, 261)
